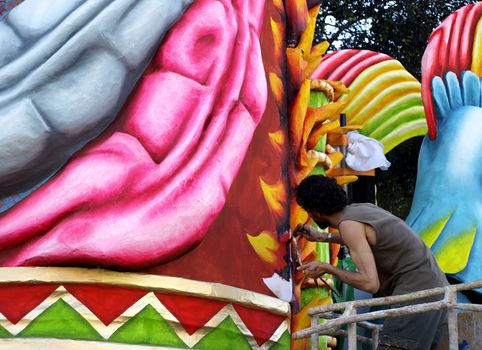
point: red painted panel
(17, 300)
(225, 255)
(106, 302)
(191, 312)
(260, 323)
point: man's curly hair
(321, 194)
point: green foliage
(397, 28)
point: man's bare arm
(314, 235)
(366, 278)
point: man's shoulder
(363, 205)
(369, 207)
(348, 223)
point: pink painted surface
(346, 65)
(449, 50)
(148, 189)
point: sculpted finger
(470, 89)
(453, 90)
(441, 100)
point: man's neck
(335, 218)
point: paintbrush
(298, 257)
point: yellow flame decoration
(320, 49)
(297, 215)
(316, 57)
(277, 139)
(277, 88)
(279, 5)
(302, 320)
(264, 245)
(336, 158)
(278, 38)
(306, 39)
(345, 179)
(274, 195)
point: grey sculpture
(66, 68)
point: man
(389, 256)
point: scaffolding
(345, 313)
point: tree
(397, 28)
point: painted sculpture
(165, 137)
(185, 133)
(130, 163)
(382, 101)
(446, 209)
(67, 68)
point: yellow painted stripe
(377, 70)
(380, 97)
(453, 255)
(432, 232)
(374, 79)
(412, 114)
(359, 96)
(390, 112)
(477, 50)
(375, 101)
(403, 133)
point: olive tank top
(404, 263)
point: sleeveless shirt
(404, 263)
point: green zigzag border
(148, 327)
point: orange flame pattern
(291, 92)
(307, 126)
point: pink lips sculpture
(148, 189)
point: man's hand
(310, 233)
(314, 268)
